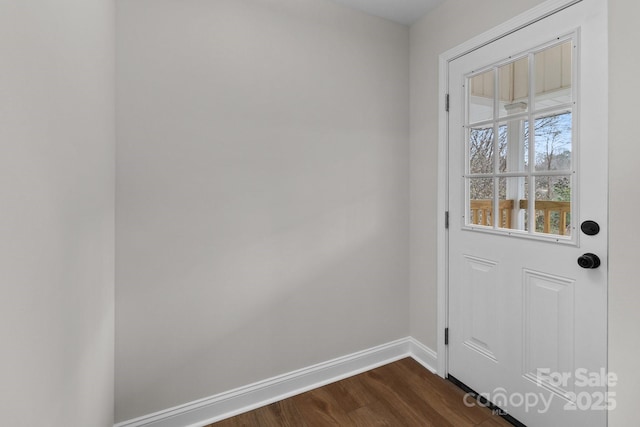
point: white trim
(442, 241)
(527, 18)
(224, 405)
(423, 355)
(535, 14)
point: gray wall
(624, 194)
(262, 192)
(57, 214)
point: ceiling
(403, 11)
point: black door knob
(589, 260)
(590, 228)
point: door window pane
(481, 96)
(480, 201)
(553, 205)
(513, 82)
(553, 135)
(513, 145)
(524, 205)
(511, 192)
(481, 147)
(553, 76)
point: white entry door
(527, 173)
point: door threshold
(495, 409)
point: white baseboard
(215, 408)
(423, 355)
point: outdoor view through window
(520, 139)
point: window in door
(520, 144)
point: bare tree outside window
(552, 152)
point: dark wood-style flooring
(400, 394)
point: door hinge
(446, 336)
(446, 219)
(446, 103)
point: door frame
(442, 239)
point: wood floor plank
(450, 396)
(287, 413)
(402, 401)
(248, 419)
(495, 421)
(402, 393)
(266, 417)
(374, 414)
(351, 394)
(229, 422)
(320, 409)
(439, 393)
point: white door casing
(519, 306)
